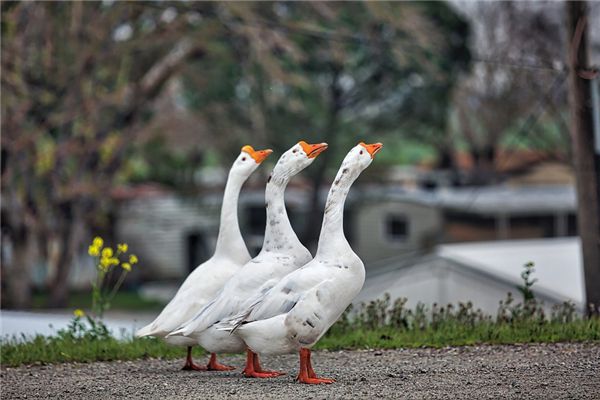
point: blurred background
(121, 119)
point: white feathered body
(231, 253)
(197, 290)
(240, 292)
(300, 308)
(281, 254)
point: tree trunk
(315, 215)
(484, 158)
(445, 158)
(587, 164)
(17, 273)
(18, 236)
(72, 228)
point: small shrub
(109, 264)
(525, 289)
(379, 314)
(379, 324)
(398, 314)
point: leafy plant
(525, 289)
(107, 263)
(77, 330)
(378, 314)
(378, 324)
(107, 266)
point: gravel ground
(549, 371)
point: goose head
(360, 157)
(298, 157)
(248, 160)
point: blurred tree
(333, 72)
(79, 79)
(518, 73)
(76, 83)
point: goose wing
(195, 292)
(241, 291)
(282, 297)
(314, 313)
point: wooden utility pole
(586, 159)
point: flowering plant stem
(106, 263)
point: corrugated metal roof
(486, 200)
(489, 269)
(558, 262)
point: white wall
(437, 280)
(156, 229)
(372, 243)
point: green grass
(60, 350)
(379, 324)
(64, 349)
(452, 334)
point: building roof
(492, 200)
(558, 263)
(507, 199)
(488, 270)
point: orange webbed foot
(256, 374)
(314, 381)
(307, 373)
(193, 367)
(219, 367)
(213, 365)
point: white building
(483, 273)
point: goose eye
(293, 151)
(361, 152)
(243, 158)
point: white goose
(281, 253)
(206, 280)
(298, 310)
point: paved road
(520, 372)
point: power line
(353, 38)
(534, 116)
(527, 126)
(519, 65)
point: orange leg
(213, 365)
(253, 369)
(307, 373)
(309, 367)
(189, 363)
(258, 368)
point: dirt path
(524, 371)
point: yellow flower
(97, 242)
(122, 247)
(79, 313)
(133, 259)
(105, 263)
(113, 261)
(126, 266)
(93, 251)
(107, 252)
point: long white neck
(230, 243)
(332, 240)
(279, 234)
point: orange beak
(313, 150)
(258, 155)
(372, 148)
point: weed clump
(450, 324)
(378, 324)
